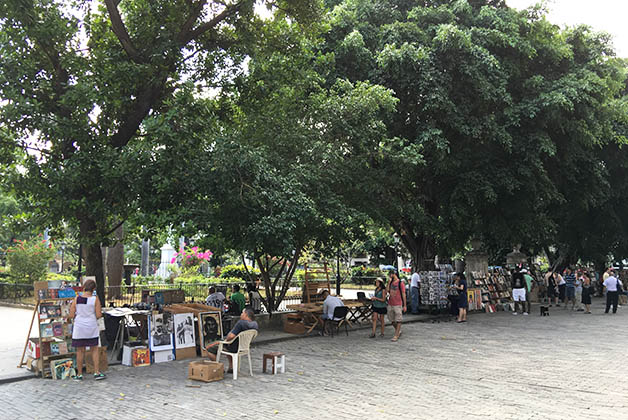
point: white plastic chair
(244, 348)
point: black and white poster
(161, 328)
(184, 331)
(210, 324)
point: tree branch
(211, 24)
(197, 8)
(120, 30)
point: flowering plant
(191, 257)
(28, 259)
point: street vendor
(246, 322)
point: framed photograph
(210, 325)
(184, 331)
(161, 328)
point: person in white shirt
(329, 304)
(612, 286)
(415, 292)
(215, 299)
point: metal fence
(194, 292)
(17, 293)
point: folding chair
(340, 317)
(367, 310)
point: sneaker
(99, 376)
(77, 378)
(580, 310)
(525, 313)
(514, 313)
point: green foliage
(366, 275)
(238, 271)
(58, 276)
(28, 259)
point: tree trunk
(115, 264)
(95, 267)
(421, 249)
(145, 258)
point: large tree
(79, 80)
(495, 107)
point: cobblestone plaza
(496, 366)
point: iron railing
(16, 293)
(193, 292)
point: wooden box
(294, 327)
(206, 371)
(89, 364)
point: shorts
(551, 292)
(85, 342)
(395, 313)
(229, 348)
(381, 311)
(570, 293)
(519, 295)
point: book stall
(51, 355)
(138, 336)
(490, 292)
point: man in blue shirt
(570, 288)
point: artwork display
(140, 357)
(62, 368)
(184, 331)
(210, 324)
(45, 330)
(49, 311)
(161, 329)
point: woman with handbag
(379, 306)
(452, 297)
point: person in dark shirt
(570, 288)
(246, 322)
(519, 292)
(463, 300)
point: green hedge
(237, 271)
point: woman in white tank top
(86, 310)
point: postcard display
(57, 357)
(434, 285)
(491, 292)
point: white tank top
(85, 321)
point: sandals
(394, 339)
(372, 336)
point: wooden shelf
(54, 356)
(53, 317)
(48, 300)
(60, 337)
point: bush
(365, 275)
(237, 271)
(62, 277)
(28, 259)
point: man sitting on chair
(246, 322)
(329, 304)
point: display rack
(495, 290)
(434, 286)
(55, 333)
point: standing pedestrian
(570, 288)
(519, 292)
(529, 284)
(463, 300)
(587, 292)
(415, 284)
(611, 284)
(579, 291)
(85, 311)
(396, 302)
(379, 306)
(452, 296)
(552, 287)
(561, 289)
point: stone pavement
(497, 366)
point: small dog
(544, 311)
